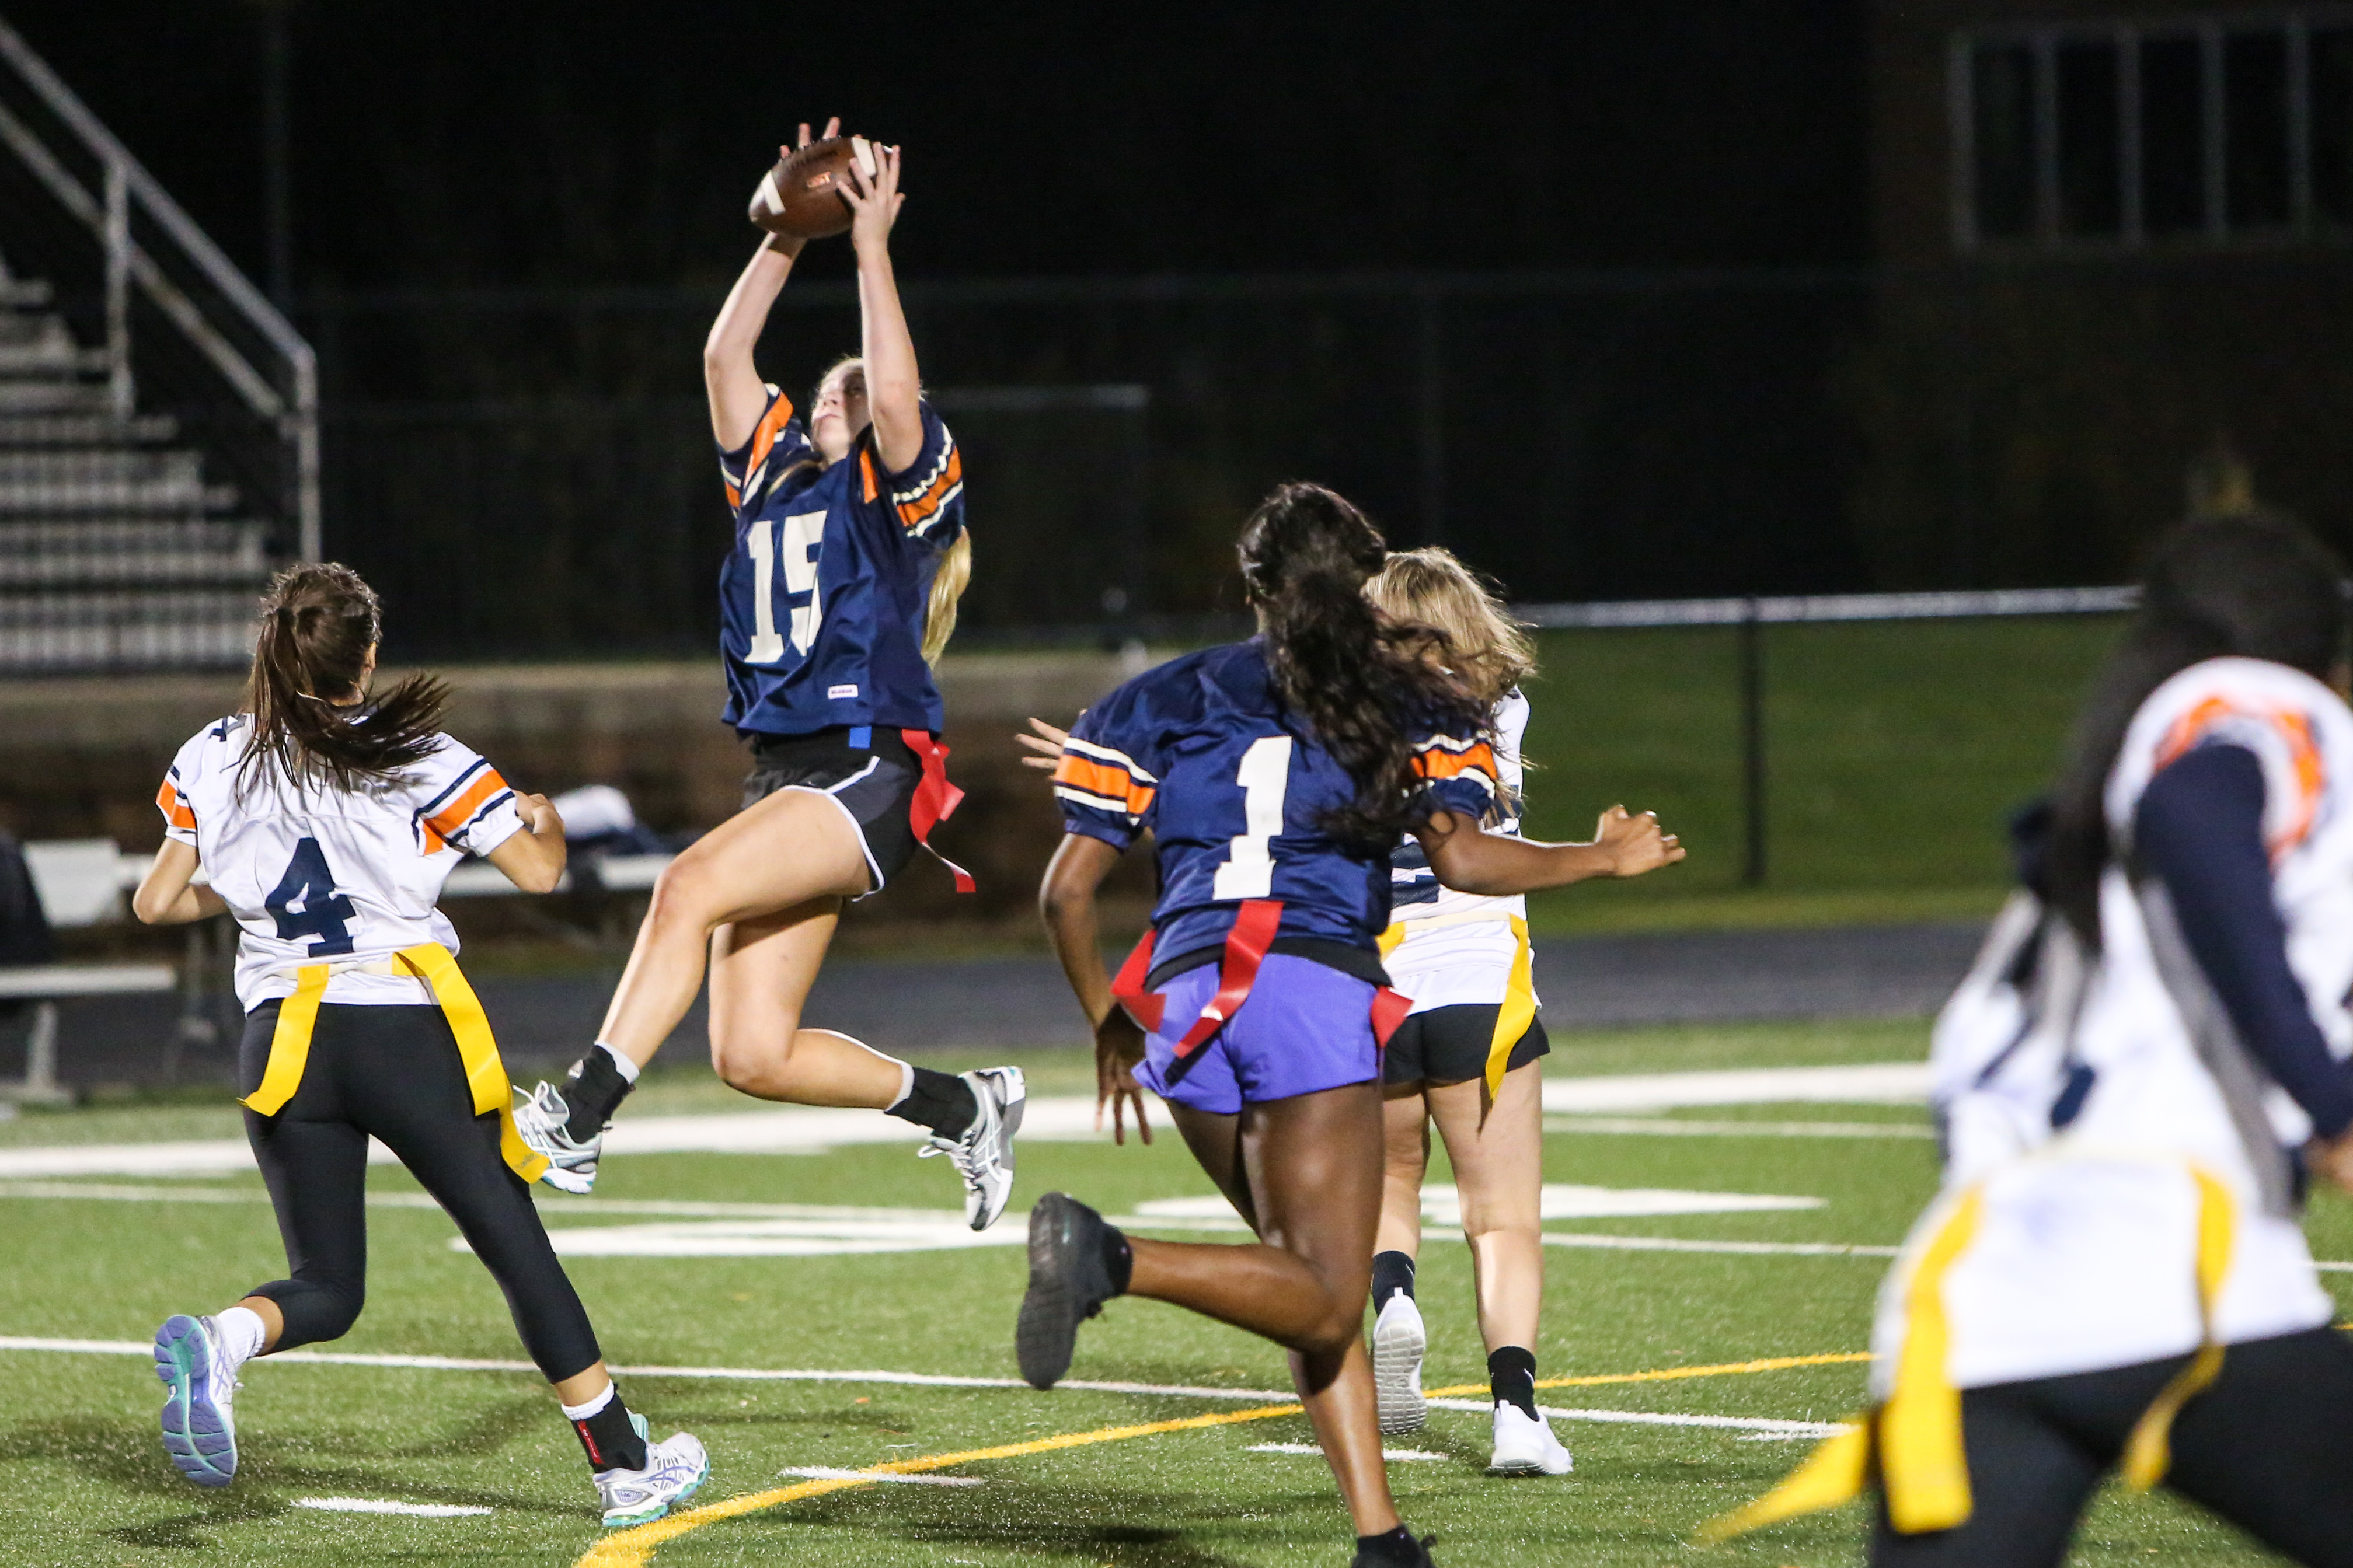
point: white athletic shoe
(541, 1120)
(1525, 1445)
(1399, 1343)
(984, 1155)
(675, 1469)
(199, 1423)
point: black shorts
(1449, 1044)
(2263, 1446)
(875, 785)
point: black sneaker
(1068, 1285)
(1395, 1555)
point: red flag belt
(1246, 948)
(935, 799)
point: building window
(2225, 129)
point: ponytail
(949, 579)
(320, 621)
(1357, 680)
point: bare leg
(1405, 1141)
(784, 851)
(762, 967)
(1499, 1170)
(273, 1322)
(1310, 1167)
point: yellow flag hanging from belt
(478, 1048)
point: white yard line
(821, 1473)
(1680, 1127)
(911, 1379)
(377, 1505)
(1753, 1249)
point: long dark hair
(2253, 583)
(1354, 678)
(318, 623)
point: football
(801, 197)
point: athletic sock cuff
(594, 1091)
(582, 1412)
(1512, 1377)
(941, 1101)
(628, 1068)
(1392, 1276)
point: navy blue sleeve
(2201, 829)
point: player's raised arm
(893, 387)
(738, 396)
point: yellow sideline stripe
(635, 1547)
(1667, 1374)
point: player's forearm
(893, 384)
(189, 905)
(1496, 865)
(736, 330)
(1066, 902)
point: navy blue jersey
(823, 599)
(1234, 793)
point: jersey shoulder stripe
(1445, 757)
(2225, 721)
(921, 501)
(475, 793)
(177, 812)
(1101, 785)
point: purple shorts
(1305, 1027)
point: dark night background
(1566, 288)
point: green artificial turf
(1894, 750)
(83, 1478)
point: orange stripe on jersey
(1104, 779)
(915, 513)
(866, 469)
(174, 807)
(2302, 749)
(451, 818)
(1479, 758)
(764, 435)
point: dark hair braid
(317, 622)
(1357, 680)
(2252, 584)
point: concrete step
(52, 395)
(102, 478)
(122, 551)
(41, 345)
(119, 629)
(27, 293)
(85, 430)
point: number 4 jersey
(823, 600)
(1234, 793)
(321, 876)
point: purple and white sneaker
(199, 1426)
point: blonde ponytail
(949, 580)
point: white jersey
(321, 875)
(1449, 949)
(2084, 1249)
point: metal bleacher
(158, 417)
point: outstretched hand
(1119, 1046)
(1045, 746)
(874, 202)
(1634, 842)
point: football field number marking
(1265, 777)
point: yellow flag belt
(1916, 1434)
(478, 1048)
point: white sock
(238, 1334)
(582, 1412)
(906, 1084)
(621, 1062)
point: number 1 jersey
(1235, 791)
(321, 876)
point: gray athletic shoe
(1400, 1342)
(675, 1469)
(541, 1119)
(984, 1154)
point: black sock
(1392, 1276)
(610, 1438)
(1119, 1259)
(593, 1090)
(941, 1101)
(1396, 1546)
(1512, 1375)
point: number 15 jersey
(1235, 791)
(822, 602)
(323, 876)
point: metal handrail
(107, 217)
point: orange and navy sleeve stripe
(448, 816)
(177, 812)
(1104, 780)
(923, 505)
(2211, 720)
(745, 482)
(1462, 773)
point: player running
(840, 591)
(1276, 775)
(326, 823)
(2133, 1082)
(1466, 1054)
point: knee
(322, 1310)
(744, 1068)
(681, 896)
(1331, 1333)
